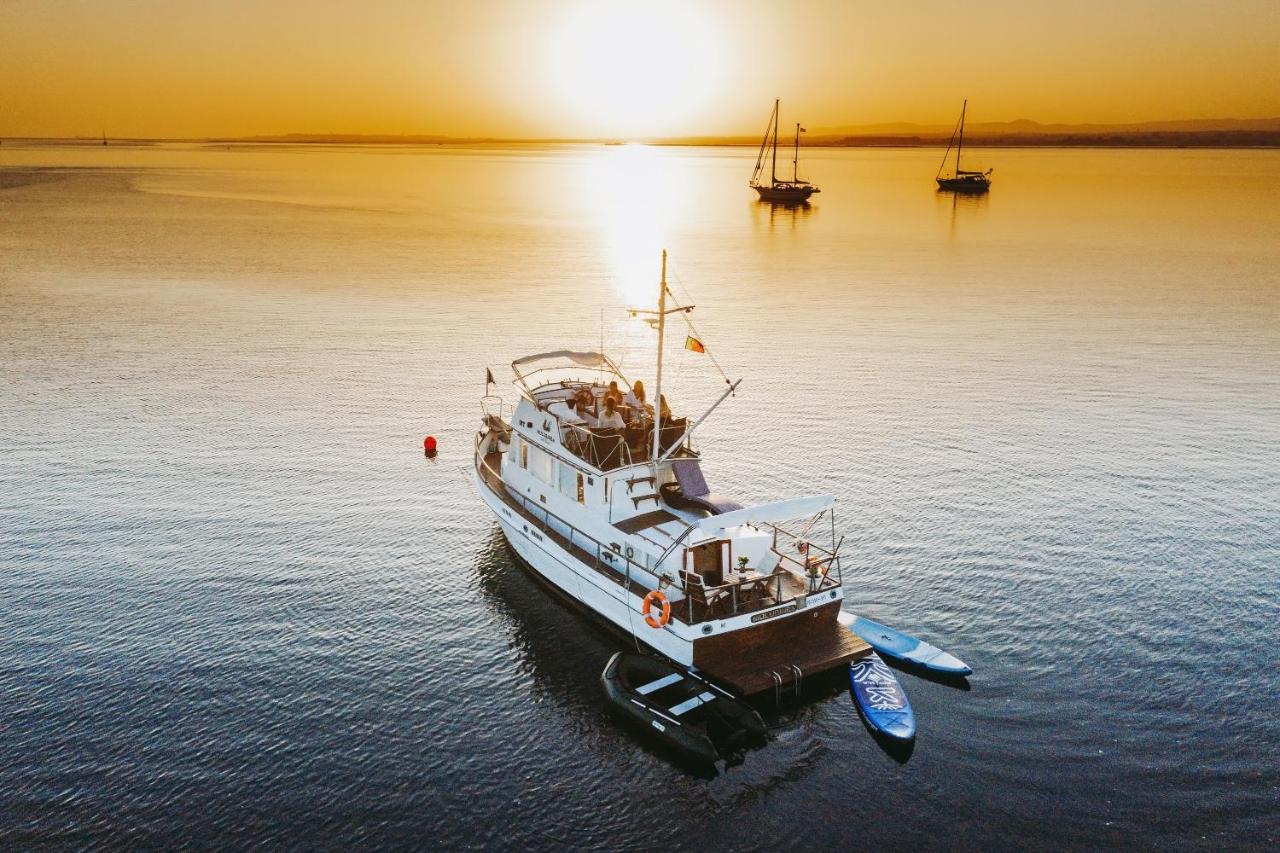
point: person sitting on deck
(635, 400)
(613, 393)
(663, 409)
(610, 419)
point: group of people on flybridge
(611, 410)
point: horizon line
(870, 132)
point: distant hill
(1029, 127)
(1190, 133)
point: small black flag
(488, 378)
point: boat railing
(609, 449)
(492, 406)
(813, 561)
(606, 449)
(752, 594)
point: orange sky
(600, 68)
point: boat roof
(561, 359)
(787, 510)
(583, 359)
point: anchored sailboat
(792, 191)
(612, 512)
(961, 180)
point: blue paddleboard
(881, 698)
(895, 644)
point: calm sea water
(237, 605)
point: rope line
(693, 330)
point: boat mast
(960, 142)
(662, 328)
(795, 163)
(776, 116)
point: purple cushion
(689, 475)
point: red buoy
(429, 445)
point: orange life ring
(656, 595)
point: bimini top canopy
(585, 359)
(561, 359)
(716, 525)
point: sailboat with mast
(791, 191)
(961, 180)
(618, 520)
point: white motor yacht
(621, 523)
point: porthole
(706, 629)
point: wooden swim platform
(811, 643)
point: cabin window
(543, 466)
(582, 493)
(567, 478)
(524, 455)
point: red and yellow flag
(690, 342)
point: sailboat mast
(795, 163)
(776, 116)
(662, 328)
(960, 143)
(764, 143)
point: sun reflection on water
(631, 195)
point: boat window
(524, 455)
(567, 479)
(543, 466)
(582, 494)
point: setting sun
(635, 69)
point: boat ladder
(779, 682)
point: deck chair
(690, 490)
(709, 601)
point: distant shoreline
(1243, 139)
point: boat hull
(587, 589)
(785, 194)
(979, 184)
